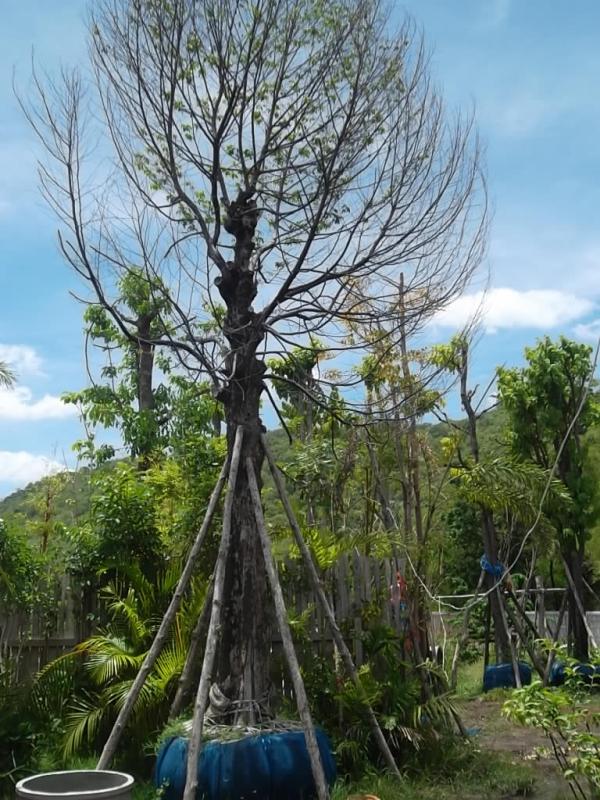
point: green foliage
(18, 733)
(393, 689)
(294, 382)
(460, 546)
(7, 375)
(509, 486)
(86, 687)
(148, 417)
(565, 716)
(121, 528)
(18, 569)
(551, 406)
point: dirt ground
(495, 733)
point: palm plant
(7, 375)
(86, 687)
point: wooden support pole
(313, 576)
(529, 646)
(579, 604)
(195, 740)
(163, 631)
(540, 606)
(464, 633)
(286, 639)
(487, 633)
(556, 635)
(513, 653)
(184, 684)
(537, 634)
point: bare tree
(288, 153)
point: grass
(480, 775)
(470, 680)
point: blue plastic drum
(269, 766)
(502, 676)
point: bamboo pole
(286, 638)
(163, 631)
(329, 615)
(184, 684)
(195, 741)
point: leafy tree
(568, 720)
(126, 397)
(18, 569)
(290, 153)
(454, 357)
(550, 407)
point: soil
(493, 732)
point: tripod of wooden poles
(212, 614)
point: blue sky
(531, 71)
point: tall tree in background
(455, 358)
(291, 153)
(550, 408)
(126, 396)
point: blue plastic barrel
(268, 766)
(587, 672)
(502, 676)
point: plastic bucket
(77, 783)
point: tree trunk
(488, 526)
(145, 359)
(242, 667)
(145, 389)
(490, 544)
(242, 664)
(577, 624)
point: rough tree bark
(573, 561)
(242, 666)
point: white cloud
(588, 331)
(503, 308)
(20, 468)
(18, 404)
(22, 358)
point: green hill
(71, 498)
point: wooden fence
(356, 585)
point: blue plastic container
(586, 671)
(502, 676)
(269, 766)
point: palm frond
(108, 657)
(508, 485)
(126, 609)
(54, 683)
(86, 715)
(7, 375)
